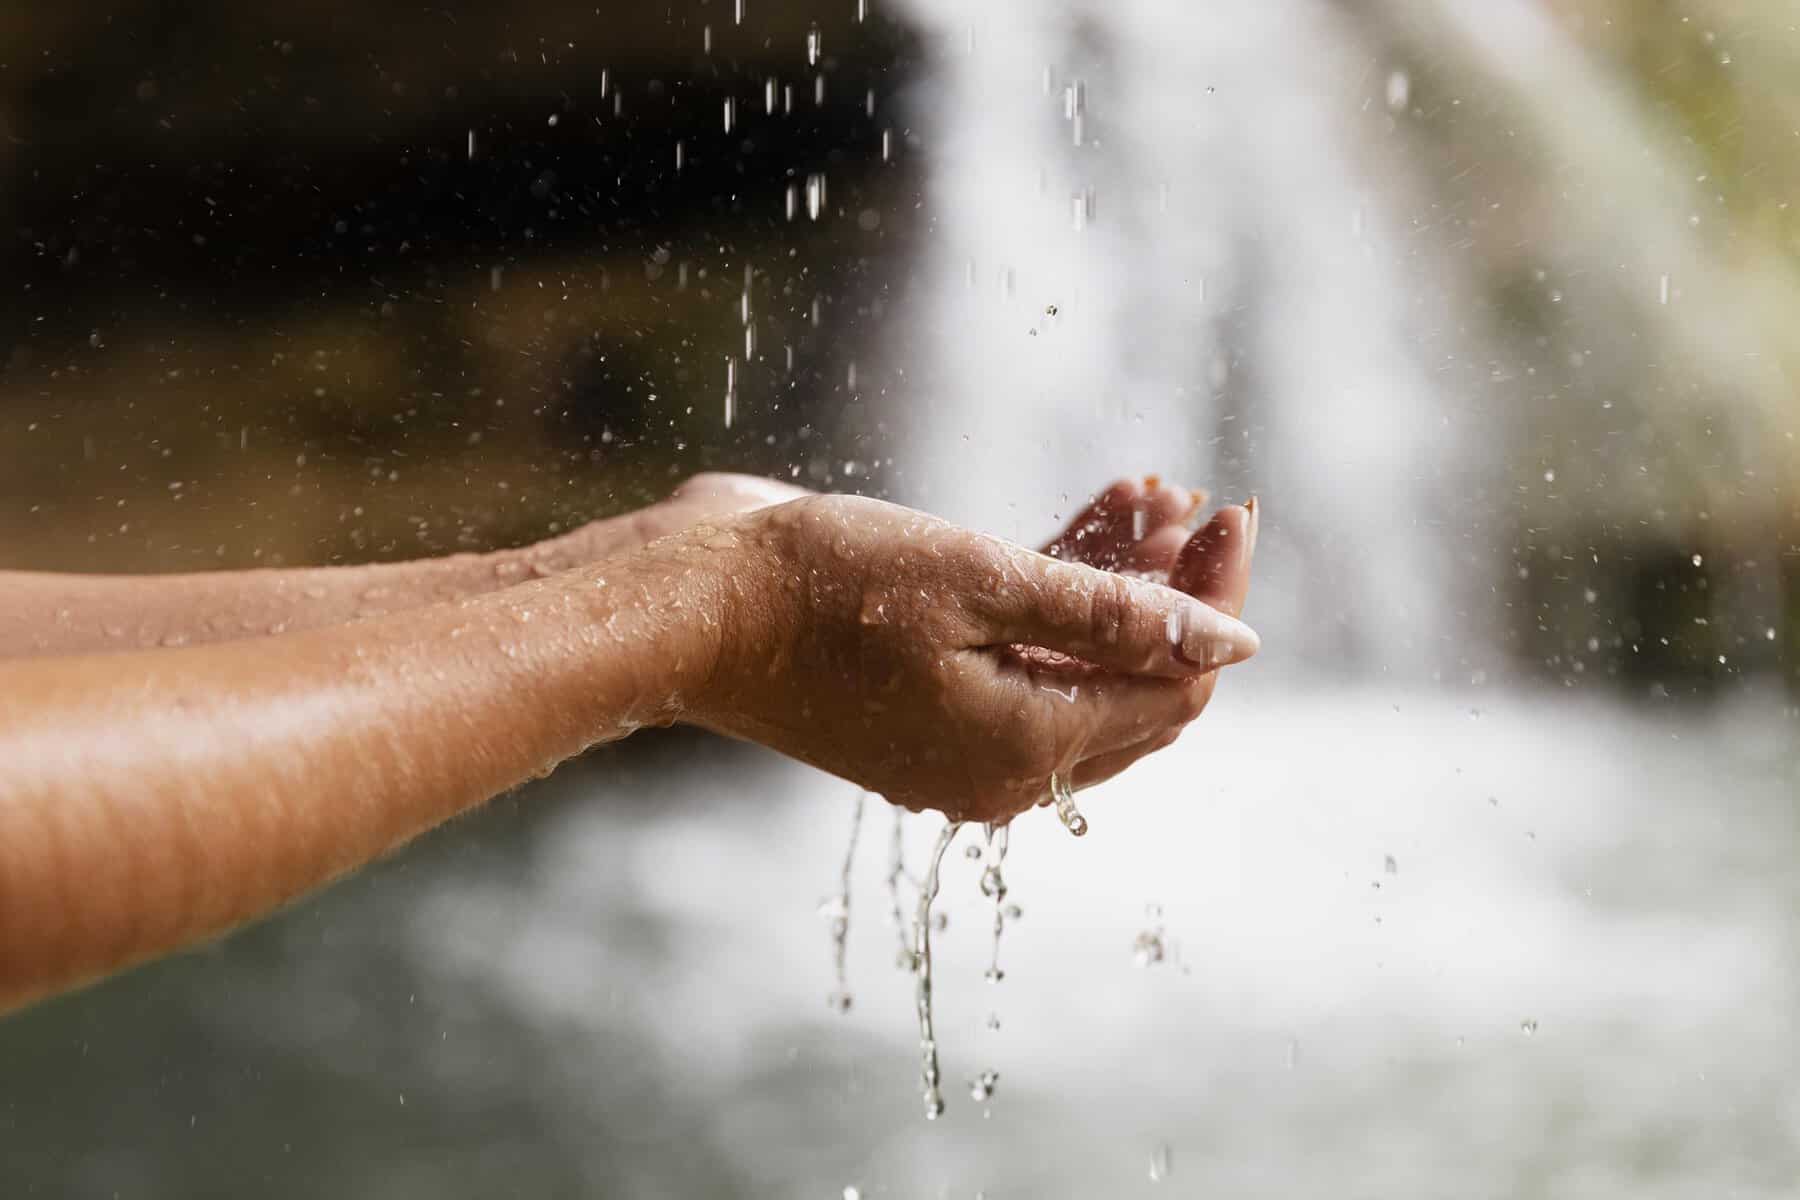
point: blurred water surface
(1577, 979)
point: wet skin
(150, 798)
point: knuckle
(1110, 610)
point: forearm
(151, 799)
(43, 613)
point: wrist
(670, 622)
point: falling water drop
(706, 38)
(769, 96)
(1149, 947)
(730, 113)
(730, 391)
(737, 12)
(993, 886)
(862, 10)
(928, 1051)
(1161, 1162)
(897, 872)
(1064, 797)
(472, 147)
(815, 195)
(887, 145)
(1399, 89)
(1662, 289)
(813, 40)
(791, 200)
(750, 341)
(680, 155)
(839, 914)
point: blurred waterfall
(1160, 245)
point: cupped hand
(946, 669)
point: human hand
(1213, 566)
(943, 668)
(1131, 527)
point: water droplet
(1390, 866)
(554, 118)
(1697, 560)
(1161, 1162)
(981, 1088)
(1399, 90)
(1528, 1026)
(1064, 797)
(1662, 289)
(737, 12)
(730, 113)
(730, 391)
(815, 195)
(813, 42)
(973, 852)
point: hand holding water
(950, 670)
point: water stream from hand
(928, 1051)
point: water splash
(928, 889)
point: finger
(1168, 504)
(1128, 625)
(1097, 711)
(1110, 530)
(1214, 566)
(1156, 554)
(1096, 529)
(1103, 767)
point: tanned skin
(286, 727)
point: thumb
(1123, 624)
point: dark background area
(365, 280)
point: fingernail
(1209, 639)
(1255, 522)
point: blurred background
(1480, 879)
